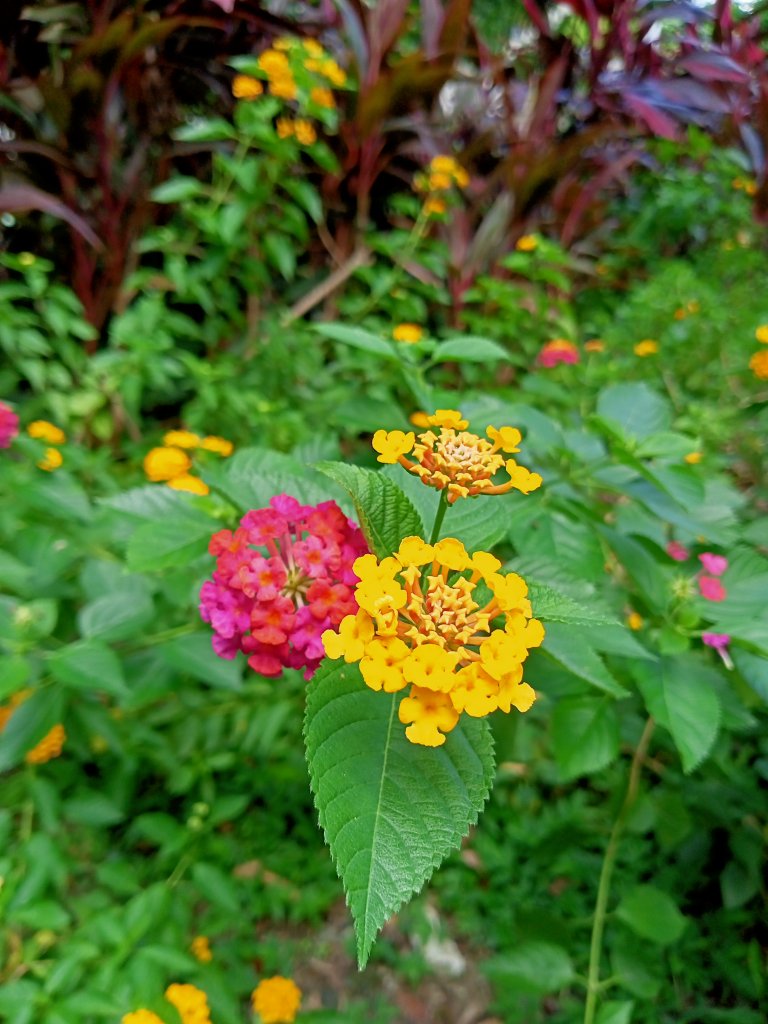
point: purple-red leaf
(19, 198)
(658, 122)
(713, 67)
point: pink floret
(9, 425)
(678, 551)
(711, 588)
(713, 564)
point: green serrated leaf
(390, 810)
(166, 544)
(384, 512)
(681, 694)
(637, 408)
(88, 665)
(569, 646)
(585, 735)
(552, 605)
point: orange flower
(758, 364)
(527, 243)
(244, 87)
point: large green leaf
(167, 544)
(651, 913)
(89, 665)
(681, 694)
(357, 337)
(639, 410)
(570, 646)
(552, 605)
(254, 475)
(385, 514)
(469, 349)
(390, 810)
(585, 735)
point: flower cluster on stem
(282, 578)
(422, 624)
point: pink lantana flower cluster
(9, 425)
(711, 589)
(282, 578)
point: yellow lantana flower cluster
(420, 625)
(201, 949)
(276, 1000)
(285, 66)
(49, 747)
(170, 464)
(455, 460)
(141, 1016)
(758, 364)
(42, 430)
(191, 1003)
(301, 129)
(441, 175)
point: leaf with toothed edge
(391, 810)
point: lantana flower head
(559, 350)
(191, 1003)
(42, 430)
(448, 457)
(141, 1016)
(758, 364)
(711, 589)
(761, 333)
(714, 564)
(276, 1000)
(679, 552)
(9, 425)
(420, 625)
(646, 347)
(282, 578)
(720, 643)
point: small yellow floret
(141, 1016)
(162, 464)
(190, 1002)
(42, 430)
(758, 364)
(51, 460)
(647, 347)
(527, 243)
(635, 620)
(50, 746)
(408, 333)
(304, 131)
(283, 87)
(692, 458)
(761, 333)
(322, 97)
(244, 87)
(276, 1000)
(219, 445)
(201, 949)
(181, 439)
(391, 444)
(189, 483)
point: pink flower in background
(678, 551)
(716, 640)
(713, 564)
(720, 642)
(282, 578)
(559, 350)
(9, 425)
(711, 588)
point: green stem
(594, 985)
(439, 516)
(165, 635)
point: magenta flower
(716, 640)
(713, 564)
(719, 641)
(282, 578)
(678, 551)
(559, 350)
(711, 588)
(9, 425)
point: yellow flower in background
(161, 464)
(274, 63)
(201, 949)
(181, 439)
(219, 445)
(420, 626)
(635, 620)
(335, 74)
(594, 345)
(313, 48)
(304, 131)
(141, 1017)
(51, 460)
(527, 243)
(190, 1002)
(322, 97)
(189, 483)
(694, 306)
(433, 206)
(408, 333)
(284, 43)
(276, 1000)
(454, 460)
(692, 458)
(49, 747)
(758, 364)
(42, 430)
(284, 126)
(761, 333)
(419, 419)
(750, 187)
(244, 87)
(647, 347)
(283, 87)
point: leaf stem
(594, 985)
(439, 516)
